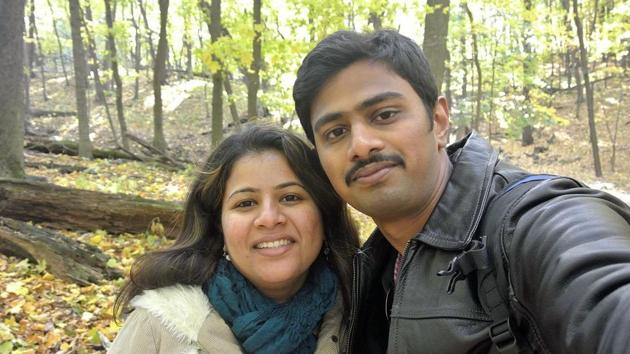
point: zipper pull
(454, 270)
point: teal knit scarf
(262, 326)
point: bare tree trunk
(228, 90)
(590, 105)
(100, 90)
(80, 78)
(188, 47)
(119, 86)
(158, 72)
(59, 46)
(213, 14)
(99, 87)
(527, 136)
(477, 119)
(149, 33)
(435, 36)
(613, 133)
(253, 82)
(42, 69)
(136, 55)
(11, 88)
(376, 21)
(491, 119)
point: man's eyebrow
(326, 118)
(378, 99)
(329, 117)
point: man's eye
(335, 133)
(385, 115)
(291, 198)
(245, 204)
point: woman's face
(272, 227)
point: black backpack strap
(493, 285)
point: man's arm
(570, 268)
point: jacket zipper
(355, 302)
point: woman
(262, 264)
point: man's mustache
(396, 159)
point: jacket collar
(182, 309)
(458, 213)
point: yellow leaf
(64, 346)
(96, 239)
(17, 287)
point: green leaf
(6, 347)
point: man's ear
(441, 122)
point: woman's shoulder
(181, 309)
(330, 331)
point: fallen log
(63, 169)
(36, 113)
(71, 148)
(155, 151)
(75, 209)
(66, 258)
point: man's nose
(364, 142)
(270, 215)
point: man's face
(375, 142)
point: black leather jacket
(569, 260)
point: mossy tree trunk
(11, 89)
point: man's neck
(400, 230)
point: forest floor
(42, 314)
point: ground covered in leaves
(42, 314)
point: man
(558, 255)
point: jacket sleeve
(137, 335)
(570, 268)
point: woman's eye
(245, 204)
(335, 133)
(291, 198)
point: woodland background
(108, 106)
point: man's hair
(343, 48)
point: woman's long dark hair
(199, 245)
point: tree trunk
(99, 87)
(253, 82)
(188, 46)
(376, 21)
(119, 86)
(59, 46)
(80, 79)
(590, 105)
(158, 72)
(75, 209)
(527, 136)
(136, 55)
(477, 119)
(42, 69)
(100, 90)
(149, 33)
(435, 36)
(213, 14)
(11, 90)
(67, 259)
(491, 119)
(232, 104)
